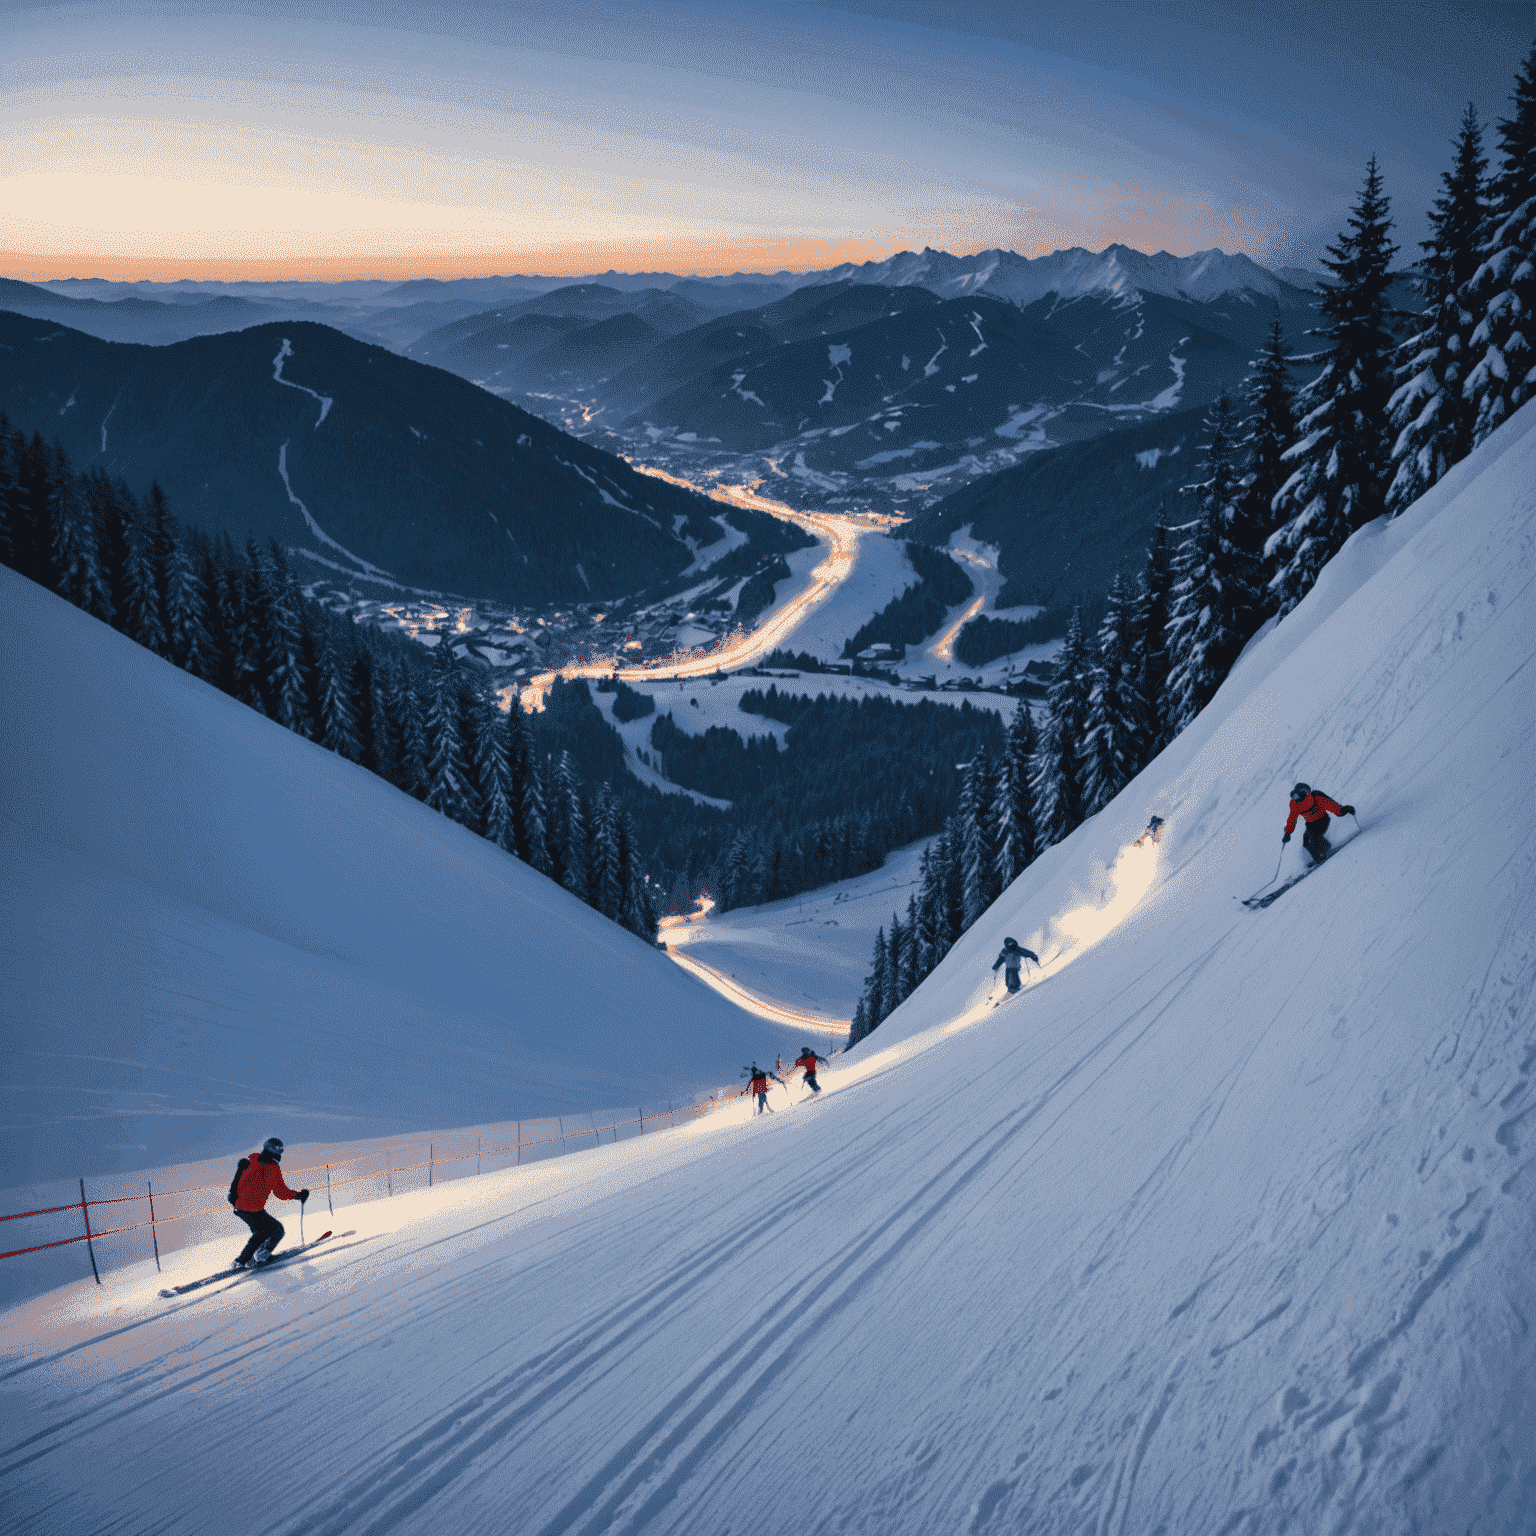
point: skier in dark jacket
(256, 1177)
(806, 1061)
(1314, 807)
(1012, 957)
(758, 1084)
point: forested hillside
(385, 469)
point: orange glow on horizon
(693, 256)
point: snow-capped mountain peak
(1119, 270)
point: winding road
(675, 933)
(841, 536)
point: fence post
(477, 1157)
(155, 1240)
(640, 1110)
(331, 1208)
(429, 1165)
(90, 1248)
(519, 1143)
(389, 1173)
(560, 1121)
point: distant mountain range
(392, 472)
(892, 382)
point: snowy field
(246, 935)
(810, 951)
(1225, 1225)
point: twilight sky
(300, 138)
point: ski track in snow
(1225, 1227)
(314, 527)
(284, 352)
(836, 357)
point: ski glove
(1284, 840)
(303, 1196)
(1348, 810)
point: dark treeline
(920, 609)
(854, 779)
(236, 618)
(1284, 486)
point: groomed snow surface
(1224, 1226)
(215, 931)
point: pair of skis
(281, 1257)
(1260, 900)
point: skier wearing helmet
(257, 1177)
(1011, 959)
(1314, 808)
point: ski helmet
(1300, 791)
(274, 1145)
(1010, 943)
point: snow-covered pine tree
(565, 802)
(492, 771)
(1017, 842)
(1153, 603)
(1116, 713)
(890, 981)
(450, 789)
(1271, 429)
(933, 930)
(409, 711)
(529, 821)
(186, 612)
(1057, 783)
(285, 642)
(145, 582)
(1502, 293)
(860, 1027)
(372, 732)
(1433, 418)
(1216, 603)
(339, 703)
(204, 555)
(978, 825)
(1341, 462)
(29, 533)
(912, 971)
(76, 560)
(951, 848)
(874, 984)
(605, 871)
(638, 909)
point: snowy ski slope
(1225, 1226)
(215, 932)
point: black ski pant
(811, 1083)
(1315, 839)
(266, 1231)
(762, 1103)
(1012, 978)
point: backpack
(234, 1183)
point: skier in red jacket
(256, 1177)
(806, 1061)
(757, 1082)
(1314, 807)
